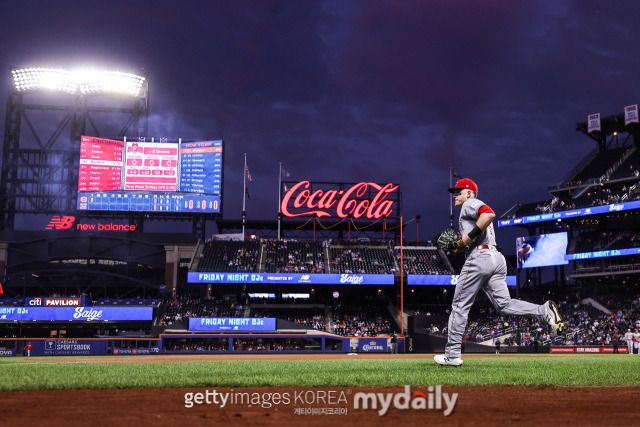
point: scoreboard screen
(150, 176)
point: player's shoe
(552, 316)
(443, 360)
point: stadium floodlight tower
(40, 165)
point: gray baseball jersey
(469, 214)
(486, 269)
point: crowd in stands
(290, 256)
(602, 240)
(286, 256)
(369, 320)
(612, 176)
(584, 324)
(185, 307)
(229, 256)
(421, 261)
(362, 260)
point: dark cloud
(358, 90)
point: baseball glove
(451, 240)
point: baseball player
(628, 337)
(486, 269)
(636, 338)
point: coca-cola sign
(364, 200)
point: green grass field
(60, 373)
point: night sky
(384, 91)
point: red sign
(67, 222)
(344, 203)
(60, 223)
(583, 350)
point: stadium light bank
(78, 82)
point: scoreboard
(150, 176)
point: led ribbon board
(574, 213)
(312, 279)
(602, 254)
(443, 280)
(80, 314)
(232, 324)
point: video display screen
(542, 250)
(150, 176)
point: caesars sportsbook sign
(364, 200)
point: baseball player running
(486, 269)
(628, 337)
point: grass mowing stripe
(536, 371)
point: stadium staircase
(612, 170)
(195, 258)
(327, 260)
(263, 260)
(585, 186)
(328, 318)
(505, 334)
(160, 312)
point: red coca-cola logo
(346, 203)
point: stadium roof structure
(41, 149)
(612, 126)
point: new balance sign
(60, 223)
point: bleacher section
(293, 257)
(185, 307)
(421, 260)
(610, 177)
(599, 165)
(362, 260)
(230, 256)
(366, 320)
(272, 256)
(629, 168)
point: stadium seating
(230, 256)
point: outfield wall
(198, 344)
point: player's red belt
(484, 247)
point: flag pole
(279, 196)
(244, 194)
(401, 280)
(451, 198)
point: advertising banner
(7, 353)
(54, 302)
(574, 213)
(442, 279)
(372, 345)
(67, 347)
(82, 314)
(312, 279)
(586, 350)
(235, 324)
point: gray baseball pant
(484, 269)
